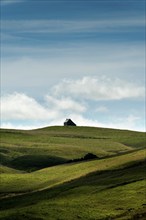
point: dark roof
(68, 121)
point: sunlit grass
(49, 177)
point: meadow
(39, 181)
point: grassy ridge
(65, 143)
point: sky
(78, 59)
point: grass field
(39, 182)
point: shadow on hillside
(100, 181)
(31, 163)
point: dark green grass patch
(35, 162)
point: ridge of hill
(40, 148)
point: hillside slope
(112, 188)
(37, 149)
(38, 182)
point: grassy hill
(39, 181)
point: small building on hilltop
(69, 122)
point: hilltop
(35, 149)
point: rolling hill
(43, 176)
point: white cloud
(20, 106)
(95, 88)
(20, 111)
(65, 103)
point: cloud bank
(70, 99)
(100, 89)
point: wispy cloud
(8, 2)
(72, 26)
(37, 69)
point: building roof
(68, 121)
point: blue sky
(83, 60)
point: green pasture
(38, 182)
